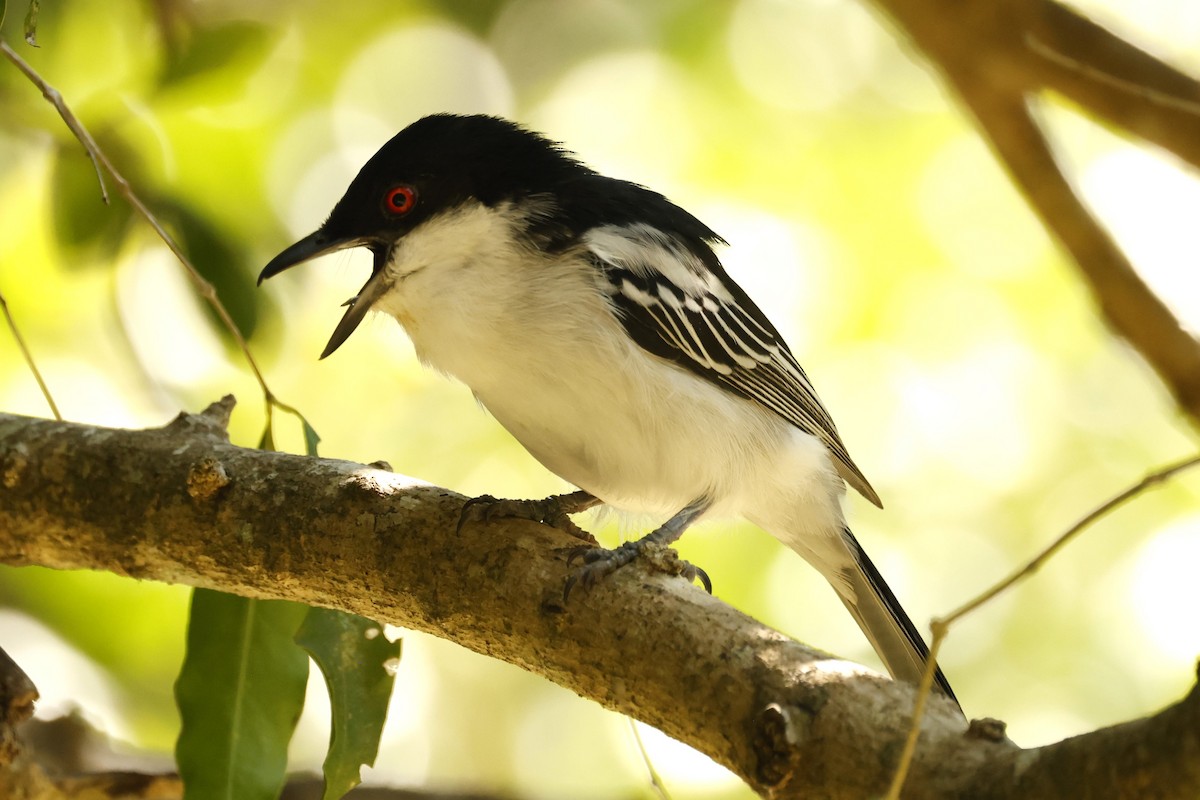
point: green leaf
(90, 230)
(358, 662)
(234, 47)
(222, 264)
(239, 693)
(311, 439)
(31, 23)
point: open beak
(319, 244)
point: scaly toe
(552, 511)
(477, 509)
(567, 525)
(589, 574)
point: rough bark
(181, 504)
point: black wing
(676, 301)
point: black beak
(319, 244)
(308, 248)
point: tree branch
(996, 56)
(181, 504)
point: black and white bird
(592, 317)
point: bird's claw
(599, 563)
(553, 511)
(693, 573)
(477, 509)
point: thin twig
(1153, 479)
(37, 375)
(56, 100)
(924, 689)
(940, 626)
(100, 160)
(656, 781)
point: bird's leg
(598, 563)
(555, 511)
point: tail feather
(886, 625)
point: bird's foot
(599, 563)
(554, 511)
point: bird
(593, 319)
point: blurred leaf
(239, 693)
(212, 49)
(31, 22)
(311, 439)
(354, 657)
(3, 11)
(82, 221)
(478, 17)
(222, 265)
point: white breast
(536, 341)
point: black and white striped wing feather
(677, 302)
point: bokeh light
(956, 347)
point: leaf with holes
(31, 18)
(358, 663)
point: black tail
(891, 633)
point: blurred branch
(52, 95)
(74, 761)
(17, 695)
(995, 56)
(37, 375)
(789, 720)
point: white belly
(640, 435)
(540, 347)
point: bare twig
(1034, 564)
(37, 375)
(940, 626)
(924, 689)
(656, 781)
(101, 163)
(56, 100)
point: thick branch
(181, 504)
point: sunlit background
(958, 350)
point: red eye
(400, 200)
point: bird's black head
(434, 165)
(441, 161)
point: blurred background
(960, 355)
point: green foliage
(222, 265)
(240, 693)
(958, 353)
(311, 439)
(218, 48)
(358, 663)
(84, 224)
